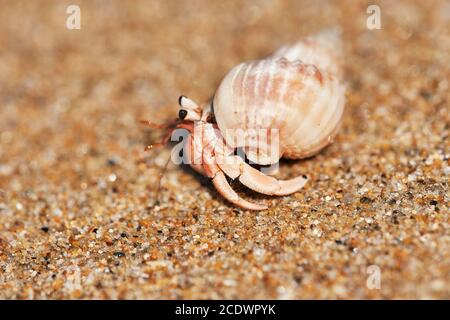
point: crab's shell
(297, 91)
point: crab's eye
(182, 114)
(180, 100)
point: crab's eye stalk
(182, 114)
(189, 109)
(187, 103)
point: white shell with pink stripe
(298, 92)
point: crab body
(287, 105)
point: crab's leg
(193, 157)
(223, 187)
(235, 167)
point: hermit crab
(288, 105)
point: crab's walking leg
(193, 156)
(223, 187)
(235, 167)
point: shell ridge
(302, 95)
(315, 99)
(316, 128)
(257, 97)
(274, 123)
(267, 89)
(297, 90)
(282, 91)
(337, 106)
(235, 104)
(320, 99)
(265, 103)
(244, 97)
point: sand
(78, 217)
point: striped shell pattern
(298, 91)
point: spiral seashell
(324, 50)
(298, 91)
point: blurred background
(77, 191)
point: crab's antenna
(170, 125)
(160, 126)
(159, 144)
(161, 175)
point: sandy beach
(78, 217)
